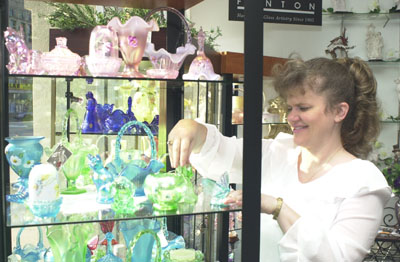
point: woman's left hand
(268, 203)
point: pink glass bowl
(103, 66)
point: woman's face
(311, 122)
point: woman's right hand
(186, 136)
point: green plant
(389, 164)
(211, 36)
(72, 16)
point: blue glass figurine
(91, 122)
(118, 118)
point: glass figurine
(201, 66)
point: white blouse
(340, 212)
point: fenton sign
(302, 12)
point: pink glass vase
(132, 38)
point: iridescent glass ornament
(22, 153)
(103, 57)
(166, 65)
(167, 190)
(69, 242)
(201, 66)
(132, 38)
(61, 60)
(19, 53)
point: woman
(320, 200)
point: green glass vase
(69, 242)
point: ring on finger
(170, 142)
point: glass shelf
(83, 208)
(361, 16)
(383, 62)
(89, 78)
(388, 121)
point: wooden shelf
(233, 63)
(146, 4)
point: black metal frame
(252, 128)
(5, 241)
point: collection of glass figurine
(106, 42)
(119, 182)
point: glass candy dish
(167, 190)
(61, 60)
(103, 57)
(166, 65)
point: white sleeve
(347, 239)
(218, 155)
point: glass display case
(43, 100)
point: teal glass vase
(22, 153)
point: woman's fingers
(234, 197)
(185, 152)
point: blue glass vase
(142, 250)
(22, 153)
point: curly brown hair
(347, 80)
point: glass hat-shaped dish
(166, 65)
